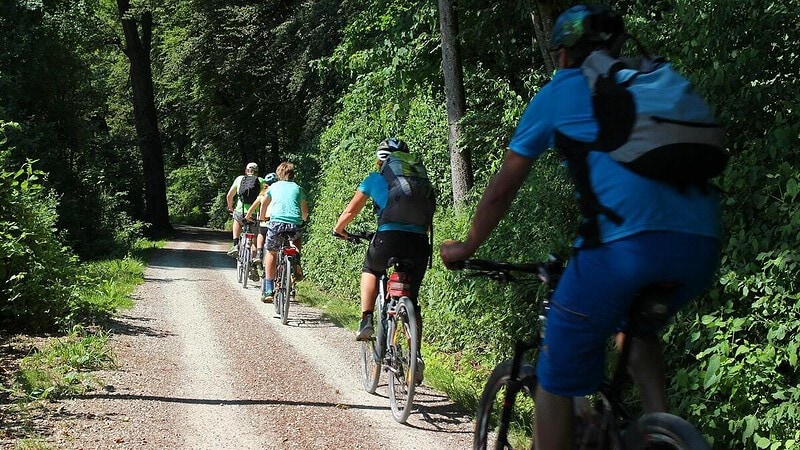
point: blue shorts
(278, 232)
(595, 294)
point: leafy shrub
(189, 191)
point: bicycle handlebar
(355, 238)
(502, 271)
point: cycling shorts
(239, 217)
(596, 292)
(398, 244)
(277, 233)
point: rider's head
(251, 168)
(285, 171)
(270, 178)
(388, 147)
(584, 28)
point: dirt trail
(204, 364)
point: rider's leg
(553, 420)
(369, 290)
(646, 366)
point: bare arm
(304, 210)
(262, 214)
(229, 197)
(493, 206)
(350, 212)
(256, 202)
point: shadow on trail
(125, 325)
(222, 402)
(191, 258)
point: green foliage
(63, 367)
(189, 193)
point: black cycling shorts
(399, 244)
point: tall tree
(137, 49)
(542, 18)
(460, 158)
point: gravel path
(204, 364)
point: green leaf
(713, 366)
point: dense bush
(189, 193)
(38, 273)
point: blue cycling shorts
(595, 294)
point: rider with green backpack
(404, 202)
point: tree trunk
(137, 49)
(460, 159)
(542, 18)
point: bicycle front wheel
(491, 432)
(663, 431)
(370, 366)
(404, 341)
(286, 289)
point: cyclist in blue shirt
(667, 235)
(392, 239)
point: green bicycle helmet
(586, 25)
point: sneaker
(259, 259)
(234, 251)
(365, 329)
(298, 273)
(420, 375)
(254, 275)
(267, 297)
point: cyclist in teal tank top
(288, 210)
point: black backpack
(249, 188)
(412, 199)
(653, 123)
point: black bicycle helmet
(388, 146)
(586, 25)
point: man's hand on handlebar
(344, 235)
(454, 252)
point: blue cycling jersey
(564, 104)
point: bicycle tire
(286, 288)
(488, 415)
(404, 343)
(277, 293)
(663, 431)
(239, 266)
(371, 352)
(248, 257)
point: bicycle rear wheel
(286, 289)
(663, 431)
(404, 340)
(277, 296)
(247, 257)
(239, 266)
(519, 430)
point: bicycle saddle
(652, 307)
(401, 264)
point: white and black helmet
(388, 146)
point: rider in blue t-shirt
(392, 239)
(667, 235)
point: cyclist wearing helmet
(269, 179)
(391, 240)
(241, 208)
(667, 235)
